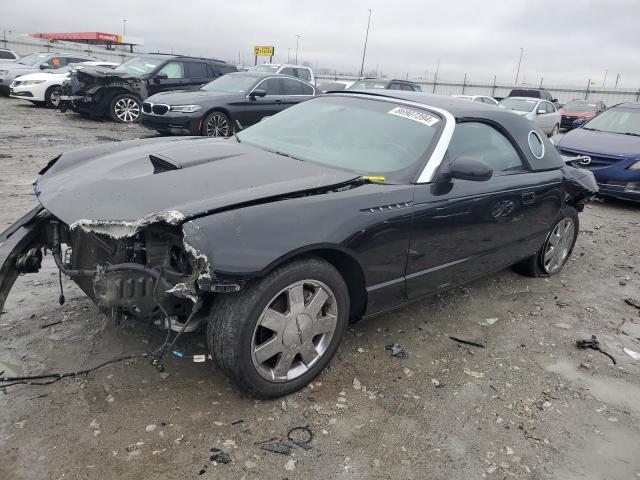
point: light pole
(618, 76)
(366, 39)
(605, 77)
(519, 62)
(297, 41)
(124, 27)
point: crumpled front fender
(19, 238)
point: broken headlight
(185, 108)
(26, 83)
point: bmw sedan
(225, 105)
(611, 141)
(343, 206)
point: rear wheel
(125, 108)
(217, 124)
(277, 334)
(556, 249)
(52, 96)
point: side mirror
(579, 122)
(469, 168)
(161, 76)
(541, 111)
(44, 66)
(555, 100)
(258, 92)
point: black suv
(376, 83)
(533, 93)
(119, 92)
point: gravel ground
(529, 405)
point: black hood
(171, 177)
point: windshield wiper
(632, 134)
(592, 129)
(286, 155)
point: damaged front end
(90, 89)
(142, 272)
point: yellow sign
(263, 51)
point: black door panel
(468, 229)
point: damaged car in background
(342, 206)
(118, 93)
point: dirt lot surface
(529, 405)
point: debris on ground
(632, 302)
(280, 448)
(301, 436)
(473, 374)
(632, 354)
(397, 350)
(594, 344)
(219, 457)
(488, 322)
(466, 342)
(290, 465)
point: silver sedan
(541, 112)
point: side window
(395, 86)
(57, 62)
(288, 71)
(77, 60)
(212, 72)
(417, 88)
(550, 107)
(294, 87)
(303, 73)
(173, 70)
(4, 55)
(271, 86)
(479, 99)
(481, 141)
(195, 70)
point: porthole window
(536, 145)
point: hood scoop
(161, 165)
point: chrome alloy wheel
(54, 97)
(558, 245)
(294, 331)
(217, 126)
(127, 110)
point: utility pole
(519, 62)
(297, 41)
(288, 55)
(435, 76)
(605, 77)
(366, 39)
(124, 27)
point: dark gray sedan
(224, 106)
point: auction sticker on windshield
(414, 115)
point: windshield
(518, 104)
(266, 68)
(616, 120)
(579, 107)
(231, 83)
(366, 137)
(367, 84)
(139, 65)
(31, 60)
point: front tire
(279, 332)
(217, 124)
(52, 96)
(556, 249)
(125, 108)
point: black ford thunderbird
(342, 206)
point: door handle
(528, 197)
(277, 101)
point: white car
(43, 88)
(305, 73)
(541, 112)
(7, 55)
(478, 98)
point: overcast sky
(566, 42)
